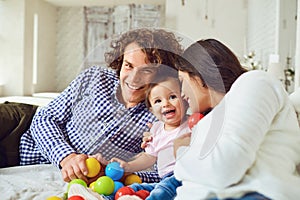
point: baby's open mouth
(168, 112)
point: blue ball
(118, 185)
(114, 171)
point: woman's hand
(183, 140)
(74, 166)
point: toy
(93, 166)
(75, 197)
(118, 185)
(54, 198)
(194, 118)
(114, 171)
(104, 185)
(132, 178)
(77, 181)
(124, 191)
(143, 194)
(92, 185)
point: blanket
(33, 182)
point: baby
(165, 102)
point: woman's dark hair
(160, 46)
(163, 73)
(213, 62)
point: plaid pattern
(86, 118)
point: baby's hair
(163, 73)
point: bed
(41, 181)
(39, 99)
(35, 181)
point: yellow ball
(54, 198)
(132, 178)
(92, 185)
(93, 166)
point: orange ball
(132, 178)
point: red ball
(194, 118)
(143, 194)
(124, 191)
(75, 197)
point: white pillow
(295, 98)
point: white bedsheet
(33, 182)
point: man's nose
(135, 76)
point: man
(102, 111)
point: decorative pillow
(15, 119)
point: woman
(247, 146)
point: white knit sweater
(249, 142)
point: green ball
(77, 181)
(104, 185)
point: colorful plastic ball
(143, 194)
(124, 191)
(104, 185)
(92, 185)
(76, 197)
(114, 171)
(118, 185)
(194, 119)
(93, 166)
(54, 198)
(77, 181)
(132, 178)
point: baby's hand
(123, 164)
(147, 137)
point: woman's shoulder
(258, 86)
(258, 79)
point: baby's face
(167, 104)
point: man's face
(135, 75)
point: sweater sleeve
(225, 142)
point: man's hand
(74, 166)
(100, 158)
(183, 140)
(103, 163)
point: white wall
(46, 58)
(16, 49)
(69, 45)
(226, 20)
(12, 46)
(297, 54)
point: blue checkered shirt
(87, 118)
